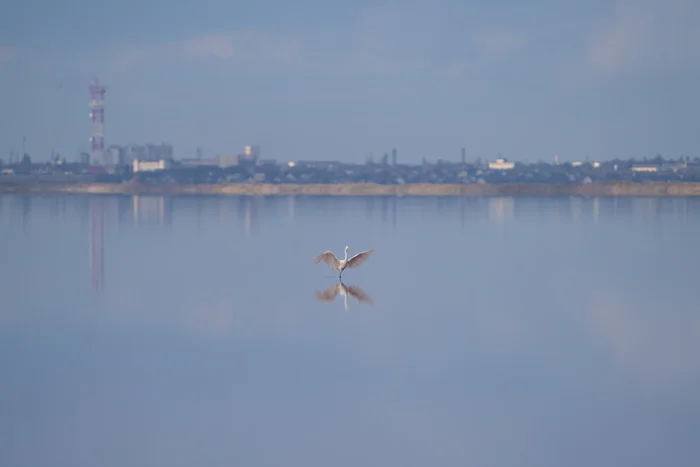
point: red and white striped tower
(97, 123)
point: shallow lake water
(179, 331)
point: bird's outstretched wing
(359, 294)
(329, 294)
(329, 258)
(359, 258)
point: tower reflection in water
(144, 210)
(97, 236)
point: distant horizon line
(472, 161)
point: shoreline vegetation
(363, 189)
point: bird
(332, 292)
(340, 264)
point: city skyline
(604, 80)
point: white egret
(340, 264)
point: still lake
(187, 331)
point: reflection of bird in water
(340, 264)
(357, 293)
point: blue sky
(340, 80)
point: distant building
(227, 160)
(501, 164)
(251, 151)
(250, 156)
(160, 152)
(223, 161)
(150, 166)
(324, 165)
(127, 154)
(85, 158)
(675, 167)
(645, 168)
(190, 163)
(112, 156)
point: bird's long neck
(346, 255)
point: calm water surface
(186, 331)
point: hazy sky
(315, 79)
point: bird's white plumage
(341, 264)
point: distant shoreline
(362, 189)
